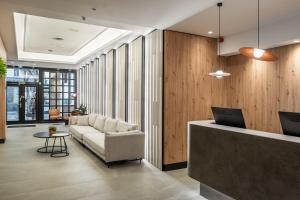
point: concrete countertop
(212, 124)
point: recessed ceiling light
(210, 32)
(296, 41)
(50, 50)
(94, 9)
(58, 38)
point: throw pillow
(99, 123)
(92, 119)
(83, 120)
(124, 126)
(73, 120)
(110, 125)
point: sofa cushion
(124, 126)
(79, 131)
(99, 123)
(83, 120)
(96, 141)
(73, 120)
(92, 119)
(110, 125)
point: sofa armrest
(124, 146)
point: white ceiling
(93, 40)
(238, 16)
(139, 16)
(40, 34)
(142, 16)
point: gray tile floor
(28, 175)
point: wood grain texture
(2, 108)
(187, 88)
(3, 55)
(260, 89)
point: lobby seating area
(110, 139)
(150, 100)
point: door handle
(20, 101)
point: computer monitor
(229, 117)
(290, 123)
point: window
(59, 91)
(22, 75)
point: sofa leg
(108, 164)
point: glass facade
(22, 75)
(31, 92)
(59, 91)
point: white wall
(135, 82)
(2, 50)
(147, 101)
(274, 35)
(121, 65)
(109, 89)
(154, 97)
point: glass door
(29, 103)
(21, 103)
(13, 104)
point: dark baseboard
(174, 166)
(21, 125)
(2, 141)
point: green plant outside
(3, 69)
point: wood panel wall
(261, 89)
(2, 109)
(187, 88)
(2, 97)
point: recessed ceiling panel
(59, 37)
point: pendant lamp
(219, 73)
(257, 53)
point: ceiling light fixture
(257, 53)
(219, 73)
(210, 32)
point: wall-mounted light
(210, 32)
(219, 74)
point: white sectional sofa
(110, 139)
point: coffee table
(53, 149)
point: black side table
(53, 149)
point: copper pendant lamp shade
(250, 53)
(257, 53)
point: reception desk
(243, 164)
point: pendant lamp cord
(258, 26)
(219, 48)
